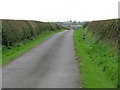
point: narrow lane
(51, 64)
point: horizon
(61, 21)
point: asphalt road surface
(50, 64)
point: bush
(16, 31)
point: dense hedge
(16, 31)
(105, 28)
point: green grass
(98, 61)
(10, 54)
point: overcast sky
(59, 10)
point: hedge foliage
(16, 31)
(105, 28)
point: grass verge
(10, 54)
(98, 61)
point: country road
(50, 64)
